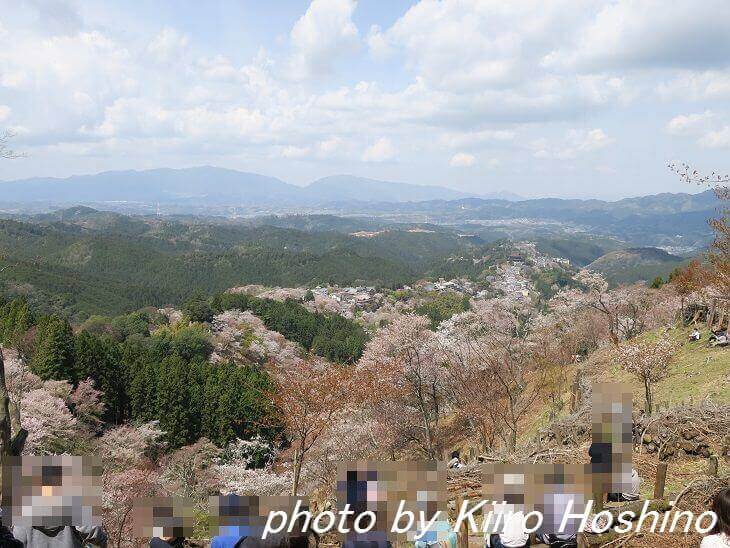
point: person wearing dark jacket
(7, 540)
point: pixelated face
(51, 490)
(611, 438)
(549, 488)
(542, 487)
(611, 413)
(234, 515)
(383, 487)
(163, 517)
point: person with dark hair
(359, 493)
(720, 534)
(167, 542)
(455, 461)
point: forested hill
(104, 263)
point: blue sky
(584, 98)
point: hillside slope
(696, 371)
(635, 264)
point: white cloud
(576, 143)
(464, 77)
(322, 35)
(328, 147)
(378, 44)
(4, 112)
(716, 139)
(696, 86)
(380, 151)
(476, 138)
(595, 139)
(461, 159)
(651, 33)
(294, 152)
(167, 46)
(706, 127)
(460, 44)
(690, 124)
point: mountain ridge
(219, 185)
(633, 263)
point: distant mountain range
(217, 186)
(675, 222)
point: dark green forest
(150, 371)
(145, 377)
(104, 263)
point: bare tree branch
(692, 176)
(5, 150)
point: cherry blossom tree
(120, 490)
(406, 380)
(128, 455)
(648, 361)
(51, 426)
(720, 252)
(85, 401)
(238, 479)
(19, 380)
(241, 336)
(5, 417)
(189, 472)
(495, 343)
(126, 446)
(237, 474)
(688, 280)
(624, 309)
(310, 399)
(355, 436)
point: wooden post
(660, 481)
(574, 395)
(711, 314)
(575, 392)
(463, 533)
(712, 466)
(720, 315)
(598, 502)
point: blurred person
(632, 495)
(719, 537)
(167, 542)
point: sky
(579, 98)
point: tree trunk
(681, 311)
(5, 430)
(298, 457)
(14, 417)
(647, 390)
